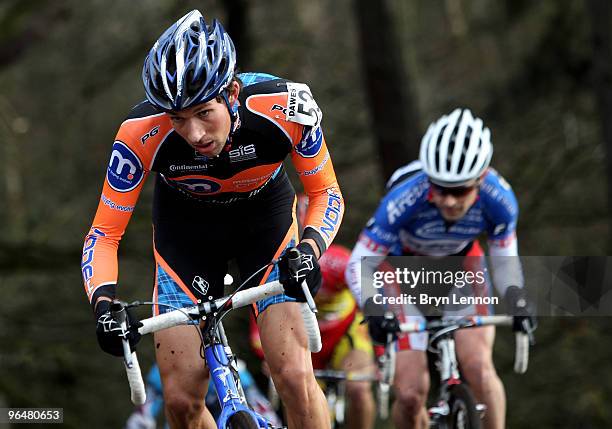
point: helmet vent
(201, 57)
(451, 149)
(459, 154)
(171, 65)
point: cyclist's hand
(307, 268)
(382, 328)
(519, 307)
(109, 332)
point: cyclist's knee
(295, 382)
(181, 407)
(359, 393)
(411, 400)
(479, 372)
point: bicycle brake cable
(174, 307)
(217, 320)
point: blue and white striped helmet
(190, 63)
(456, 149)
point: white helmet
(456, 149)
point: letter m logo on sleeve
(125, 171)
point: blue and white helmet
(190, 63)
(456, 149)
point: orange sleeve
(314, 166)
(128, 167)
(312, 162)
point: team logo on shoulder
(153, 132)
(311, 144)
(125, 171)
(499, 229)
(279, 107)
(198, 186)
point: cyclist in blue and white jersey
(439, 206)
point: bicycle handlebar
(130, 360)
(183, 316)
(457, 323)
(138, 393)
(239, 299)
(521, 353)
(522, 340)
(336, 375)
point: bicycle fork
(448, 368)
(224, 374)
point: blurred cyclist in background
(437, 207)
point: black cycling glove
(109, 332)
(306, 267)
(518, 306)
(380, 324)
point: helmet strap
(233, 116)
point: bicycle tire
(241, 420)
(463, 414)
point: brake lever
(293, 262)
(529, 330)
(119, 313)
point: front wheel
(241, 420)
(463, 413)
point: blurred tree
(12, 128)
(237, 12)
(600, 14)
(23, 23)
(393, 107)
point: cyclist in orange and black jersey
(248, 165)
(217, 142)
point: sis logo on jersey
(242, 153)
(311, 144)
(125, 170)
(198, 186)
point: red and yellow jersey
(334, 300)
(276, 118)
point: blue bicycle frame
(217, 353)
(228, 392)
(224, 375)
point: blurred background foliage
(537, 72)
